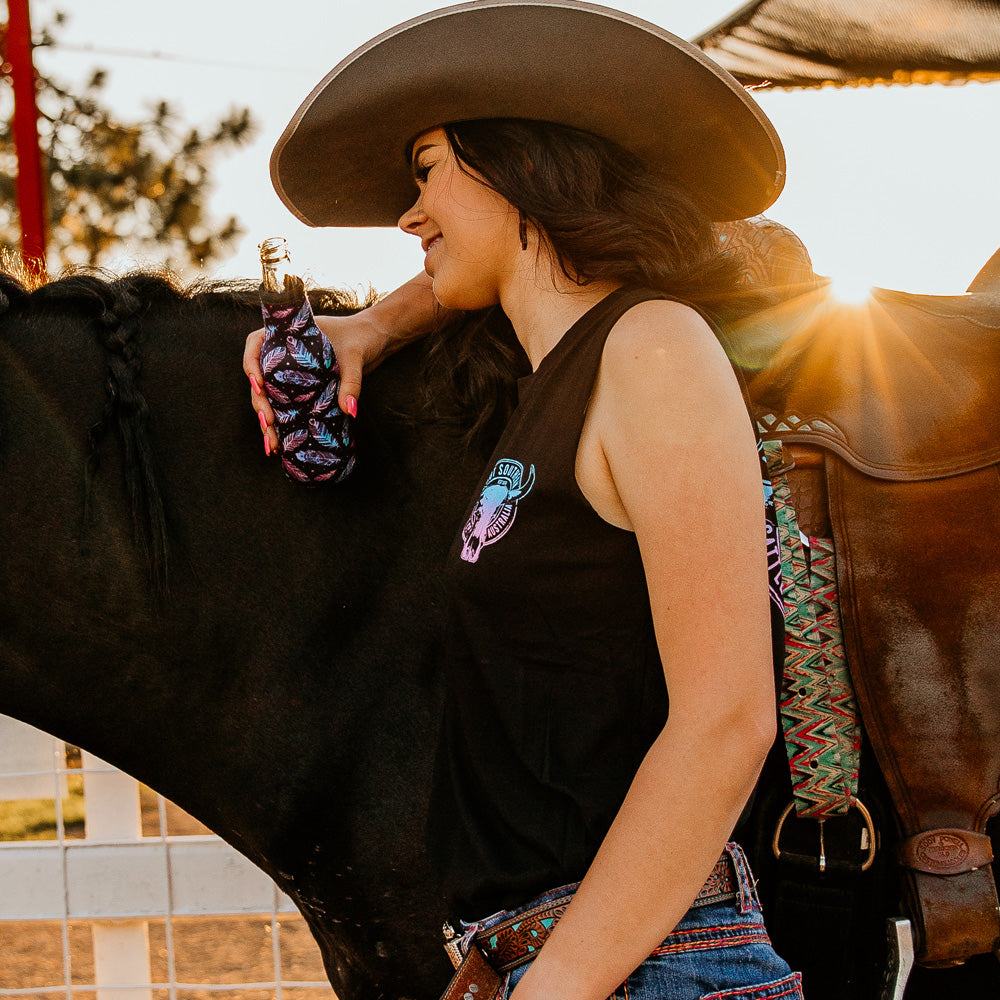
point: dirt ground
(206, 951)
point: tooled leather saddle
(889, 412)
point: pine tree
(114, 185)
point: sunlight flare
(850, 289)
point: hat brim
(341, 159)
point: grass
(35, 819)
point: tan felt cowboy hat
(342, 159)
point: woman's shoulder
(665, 390)
(660, 336)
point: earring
(522, 229)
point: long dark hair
(603, 216)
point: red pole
(30, 184)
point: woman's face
(469, 233)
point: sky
(887, 186)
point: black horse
(260, 653)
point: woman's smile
(429, 244)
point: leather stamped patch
(942, 851)
(946, 851)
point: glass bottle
(301, 377)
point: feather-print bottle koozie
(301, 377)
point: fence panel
(131, 909)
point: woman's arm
(361, 342)
(669, 452)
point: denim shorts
(717, 952)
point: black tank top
(555, 690)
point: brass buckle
(868, 833)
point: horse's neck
(194, 687)
(275, 690)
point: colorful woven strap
(819, 715)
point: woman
(567, 160)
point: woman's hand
(360, 341)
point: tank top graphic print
(494, 511)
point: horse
(261, 653)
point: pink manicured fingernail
(256, 386)
(352, 406)
(267, 446)
(263, 421)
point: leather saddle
(890, 413)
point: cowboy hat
(341, 160)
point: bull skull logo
(495, 509)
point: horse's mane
(77, 288)
(117, 308)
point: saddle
(888, 414)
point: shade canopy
(812, 43)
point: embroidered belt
(517, 939)
(819, 714)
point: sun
(850, 289)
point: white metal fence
(106, 894)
